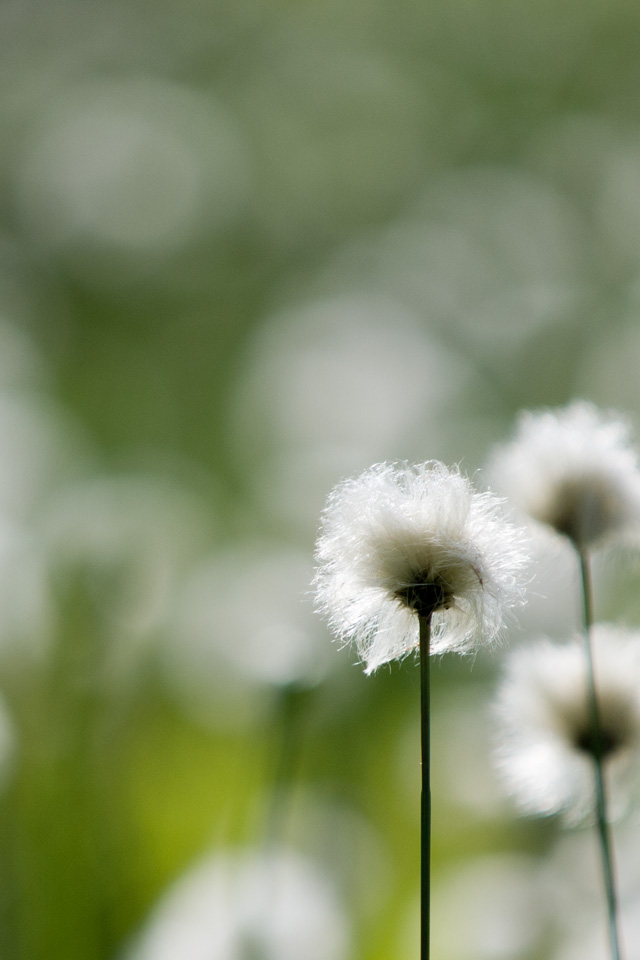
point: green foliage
(250, 248)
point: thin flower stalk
(288, 723)
(602, 818)
(412, 558)
(425, 795)
(575, 471)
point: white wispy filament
(405, 540)
(574, 470)
(545, 744)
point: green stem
(425, 798)
(596, 727)
(288, 708)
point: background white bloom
(498, 895)
(545, 749)
(402, 540)
(278, 906)
(574, 470)
(223, 657)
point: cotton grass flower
(573, 470)
(402, 542)
(546, 750)
(411, 557)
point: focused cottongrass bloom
(574, 470)
(404, 541)
(545, 751)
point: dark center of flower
(584, 509)
(425, 598)
(608, 742)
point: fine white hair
(398, 528)
(574, 470)
(544, 752)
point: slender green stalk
(596, 727)
(288, 748)
(425, 797)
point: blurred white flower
(21, 363)
(125, 542)
(276, 906)
(341, 839)
(553, 579)
(591, 941)
(545, 749)
(41, 448)
(402, 541)
(26, 602)
(500, 898)
(573, 470)
(221, 653)
(393, 387)
(571, 884)
(137, 164)
(9, 745)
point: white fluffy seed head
(573, 470)
(544, 745)
(400, 540)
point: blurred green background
(248, 248)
